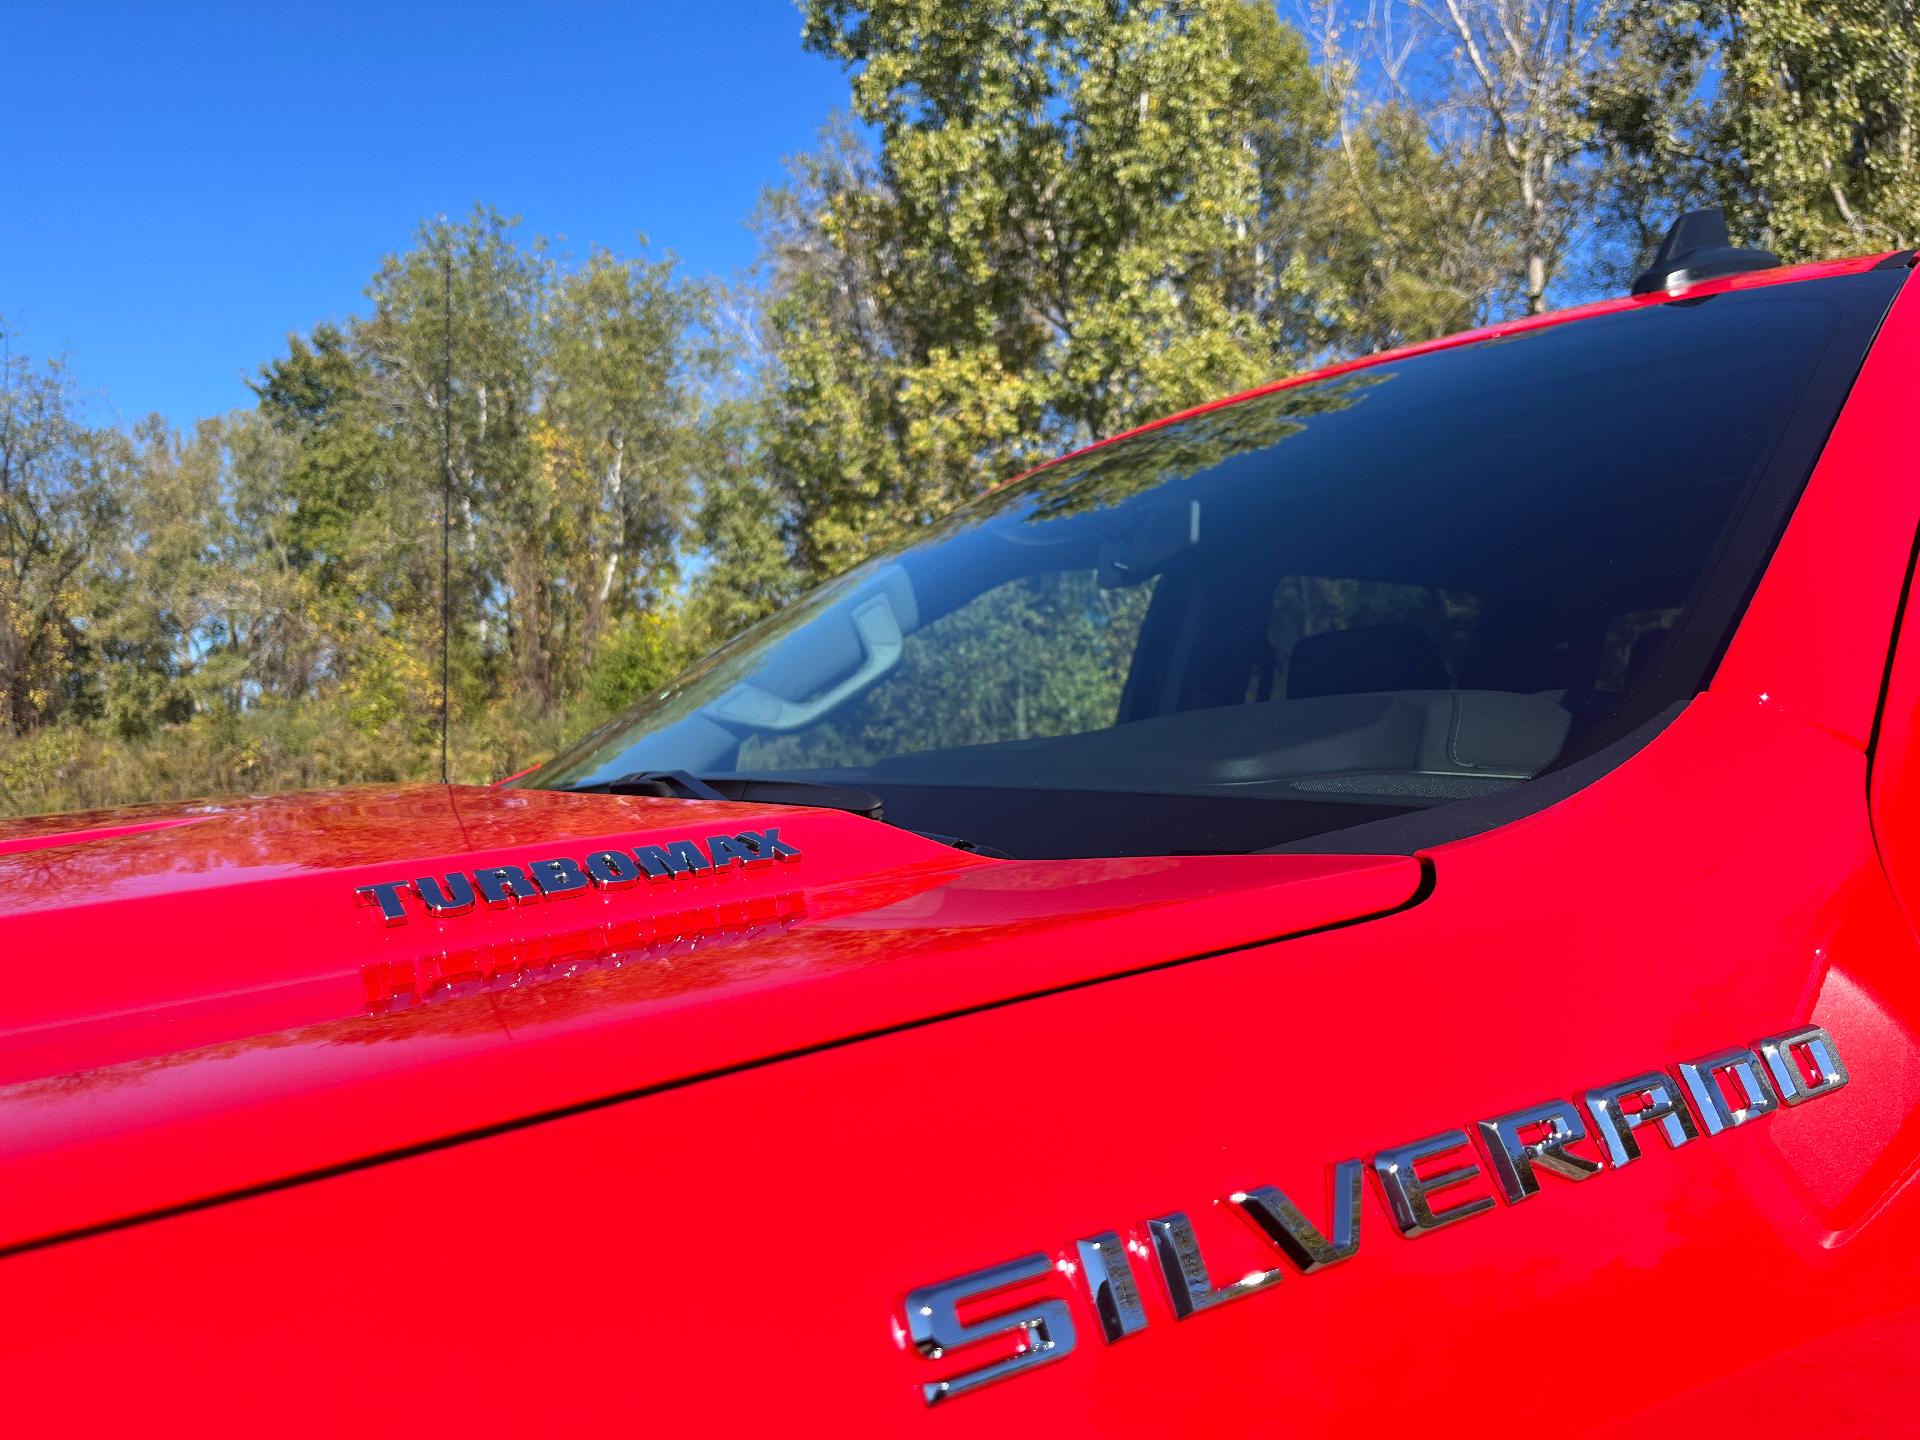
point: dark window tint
(1413, 582)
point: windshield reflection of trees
(1045, 655)
(1048, 653)
(1116, 473)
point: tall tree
(1518, 72)
(1076, 214)
(63, 490)
(455, 338)
(624, 446)
(1798, 115)
(576, 404)
(1465, 154)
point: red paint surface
(1814, 640)
(220, 1005)
(695, 1209)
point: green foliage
(970, 678)
(642, 654)
(258, 604)
(1797, 115)
(273, 746)
(1074, 218)
(63, 494)
(1402, 241)
(1822, 105)
(1044, 221)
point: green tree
(625, 447)
(160, 602)
(1821, 106)
(315, 397)
(1074, 217)
(63, 493)
(1518, 71)
(464, 302)
(1798, 117)
(1461, 185)
(1403, 239)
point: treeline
(1040, 222)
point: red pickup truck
(1387, 902)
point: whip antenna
(6, 457)
(446, 483)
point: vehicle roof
(1745, 280)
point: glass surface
(1410, 583)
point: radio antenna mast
(6, 454)
(446, 484)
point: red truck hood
(198, 1001)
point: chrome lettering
(1659, 1101)
(1788, 1078)
(612, 869)
(1407, 1191)
(559, 876)
(767, 845)
(1717, 1113)
(933, 1324)
(726, 851)
(387, 895)
(1277, 1218)
(446, 896)
(1108, 1276)
(1189, 1286)
(1803, 1064)
(1515, 1158)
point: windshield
(1406, 585)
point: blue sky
(184, 183)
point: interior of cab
(1334, 700)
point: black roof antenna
(1697, 248)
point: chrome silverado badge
(1727, 1088)
(498, 886)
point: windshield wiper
(764, 790)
